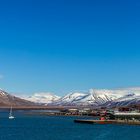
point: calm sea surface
(61, 128)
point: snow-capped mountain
(98, 97)
(7, 99)
(70, 99)
(44, 98)
(93, 97)
(130, 99)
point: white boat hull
(11, 117)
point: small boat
(10, 114)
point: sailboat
(10, 114)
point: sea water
(25, 127)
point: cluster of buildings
(121, 113)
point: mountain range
(93, 97)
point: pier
(127, 122)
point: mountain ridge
(98, 97)
(7, 99)
(93, 97)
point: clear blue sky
(67, 45)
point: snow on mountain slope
(2, 92)
(97, 97)
(70, 99)
(130, 96)
(93, 97)
(43, 98)
(130, 99)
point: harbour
(61, 128)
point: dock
(125, 122)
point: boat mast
(10, 114)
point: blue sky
(67, 45)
